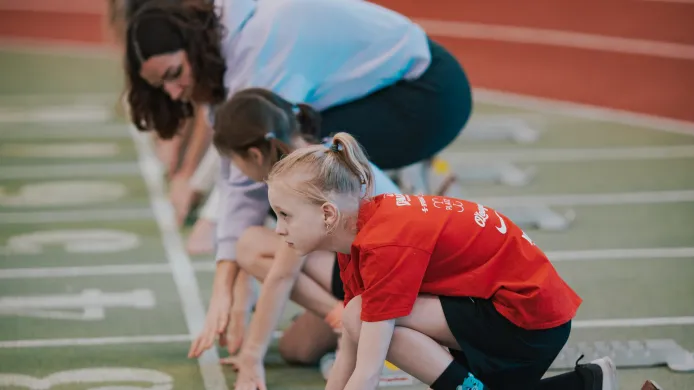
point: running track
(635, 55)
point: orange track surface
(641, 83)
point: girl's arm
(220, 304)
(240, 312)
(273, 298)
(345, 361)
(374, 341)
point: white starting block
(500, 127)
(426, 178)
(628, 354)
(500, 173)
(537, 217)
(391, 376)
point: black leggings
(409, 121)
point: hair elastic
(270, 135)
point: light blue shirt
(319, 52)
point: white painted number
(58, 150)
(61, 193)
(74, 241)
(101, 377)
(89, 305)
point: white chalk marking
(96, 270)
(60, 150)
(83, 342)
(72, 241)
(657, 254)
(60, 171)
(155, 380)
(49, 131)
(63, 193)
(89, 305)
(66, 114)
(183, 271)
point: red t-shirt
(408, 245)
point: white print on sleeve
(448, 204)
(423, 202)
(481, 216)
(402, 200)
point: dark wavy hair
(257, 117)
(201, 31)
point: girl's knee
(351, 318)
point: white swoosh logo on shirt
(502, 229)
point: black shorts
(338, 289)
(496, 351)
(411, 120)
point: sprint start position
(422, 273)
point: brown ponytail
(309, 122)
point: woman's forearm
(197, 143)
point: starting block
(391, 376)
(629, 354)
(500, 127)
(502, 173)
(537, 217)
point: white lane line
(560, 38)
(656, 254)
(646, 197)
(23, 217)
(182, 270)
(68, 170)
(632, 322)
(583, 111)
(570, 154)
(96, 270)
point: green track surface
(638, 287)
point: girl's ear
(331, 214)
(256, 156)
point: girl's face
(171, 72)
(301, 224)
(253, 164)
